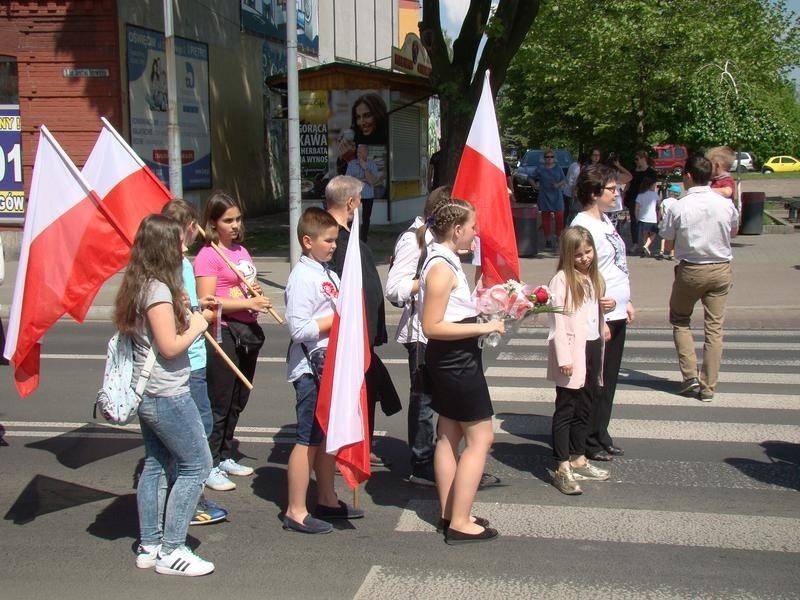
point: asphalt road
(704, 504)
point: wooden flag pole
(241, 277)
(356, 497)
(210, 339)
(215, 344)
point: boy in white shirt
(646, 213)
(673, 191)
(311, 293)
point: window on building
(9, 80)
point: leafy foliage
(629, 73)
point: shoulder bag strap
(147, 368)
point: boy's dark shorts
(309, 432)
(647, 227)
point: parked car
(780, 164)
(531, 161)
(743, 162)
(669, 158)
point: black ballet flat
(453, 537)
(444, 524)
(615, 450)
(601, 455)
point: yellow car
(780, 164)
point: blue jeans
(172, 431)
(421, 429)
(309, 432)
(199, 389)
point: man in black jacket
(343, 198)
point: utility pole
(173, 129)
(293, 101)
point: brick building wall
(47, 37)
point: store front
(350, 111)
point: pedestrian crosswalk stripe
(511, 463)
(635, 526)
(628, 375)
(391, 583)
(656, 344)
(648, 397)
(657, 429)
(261, 359)
(659, 360)
(667, 332)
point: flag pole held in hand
(210, 339)
(241, 277)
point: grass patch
(771, 177)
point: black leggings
(227, 394)
(573, 407)
(598, 437)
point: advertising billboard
(147, 92)
(12, 194)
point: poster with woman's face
(332, 127)
(360, 117)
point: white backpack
(117, 401)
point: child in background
(185, 215)
(647, 214)
(673, 191)
(722, 182)
(311, 293)
(575, 357)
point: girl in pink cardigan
(575, 357)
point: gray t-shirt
(170, 377)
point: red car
(670, 158)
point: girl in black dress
(455, 372)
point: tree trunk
(453, 80)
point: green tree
(625, 74)
(456, 79)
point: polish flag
(481, 179)
(342, 401)
(129, 191)
(60, 204)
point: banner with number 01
(12, 193)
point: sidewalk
(765, 295)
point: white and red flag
(60, 203)
(481, 179)
(129, 191)
(342, 400)
(79, 230)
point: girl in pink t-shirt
(241, 335)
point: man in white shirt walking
(699, 227)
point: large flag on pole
(60, 203)
(481, 179)
(129, 191)
(342, 401)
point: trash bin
(526, 228)
(752, 213)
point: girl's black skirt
(455, 379)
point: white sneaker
(231, 467)
(218, 480)
(183, 561)
(589, 471)
(146, 556)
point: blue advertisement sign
(12, 193)
(147, 91)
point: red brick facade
(48, 37)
